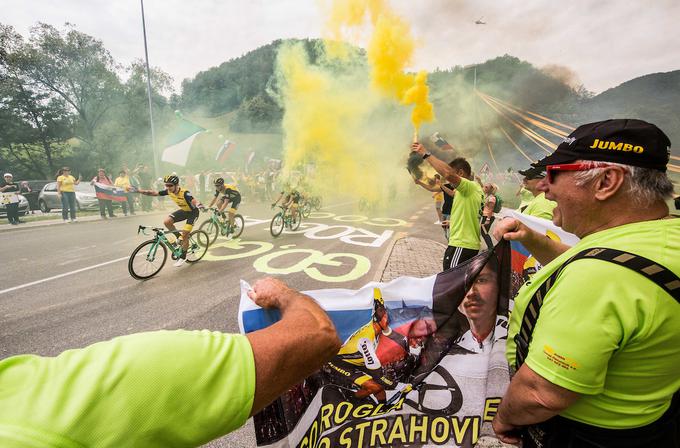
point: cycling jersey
(230, 192)
(295, 195)
(182, 198)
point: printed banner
(9, 198)
(422, 363)
(104, 191)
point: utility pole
(156, 169)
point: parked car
(86, 197)
(23, 207)
(32, 196)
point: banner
(113, 193)
(422, 362)
(178, 144)
(440, 142)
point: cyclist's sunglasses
(169, 185)
(583, 166)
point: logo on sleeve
(560, 360)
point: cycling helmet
(219, 181)
(171, 179)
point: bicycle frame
(159, 238)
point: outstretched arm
(541, 247)
(305, 339)
(440, 166)
(426, 186)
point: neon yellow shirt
(606, 332)
(157, 389)
(67, 183)
(464, 229)
(540, 207)
(122, 182)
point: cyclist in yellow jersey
(357, 360)
(229, 194)
(188, 210)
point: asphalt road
(67, 286)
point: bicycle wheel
(294, 225)
(276, 226)
(146, 261)
(199, 241)
(237, 228)
(211, 229)
(306, 209)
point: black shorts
(189, 216)
(457, 255)
(235, 201)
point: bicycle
(283, 219)
(215, 226)
(146, 261)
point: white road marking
(65, 274)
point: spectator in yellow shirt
(67, 193)
(123, 182)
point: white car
(86, 197)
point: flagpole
(156, 168)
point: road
(67, 286)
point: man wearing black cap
(595, 336)
(538, 206)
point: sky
(604, 43)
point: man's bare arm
(530, 399)
(294, 347)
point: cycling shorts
(189, 216)
(235, 201)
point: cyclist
(291, 198)
(229, 194)
(188, 211)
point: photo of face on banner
(418, 360)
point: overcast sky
(605, 42)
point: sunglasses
(169, 185)
(551, 170)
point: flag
(523, 263)
(436, 383)
(249, 160)
(111, 192)
(179, 142)
(224, 151)
(440, 142)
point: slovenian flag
(104, 191)
(440, 142)
(224, 151)
(178, 144)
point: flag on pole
(224, 151)
(180, 140)
(110, 192)
(440, 142)
(251, 156)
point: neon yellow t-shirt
(606, 332)
(540, 207)
(67, 183)
(157, 389)
(464, 228)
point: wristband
(426, 155)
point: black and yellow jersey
(183, 198)
(230, 192)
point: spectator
(123, 182)
(165, 388)
(464, 233)
(104, 204)
(145, 183)
(492, 204)
(597, 354)
(11, 198)
(538, 206)
(67, 193)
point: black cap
(625, 141)
(533, 173)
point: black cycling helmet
(171, 179)
(219, 181)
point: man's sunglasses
(169, 185)
(551, 170)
